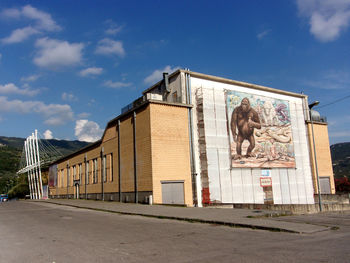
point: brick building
(191, 139)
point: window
(68, 173)
(62, 178)
(95, 171)
(87, 173)
(175, 96)
(80, 172)
(71, 176)
(104, 173)
(111, 167)
(74, 172)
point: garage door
(325, 185)
(173, 193)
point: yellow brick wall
(162, 144)
(170, 149)
(323, 154)
(110, 133)
(127, 155)
(143, 150)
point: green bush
(19, 191)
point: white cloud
(157, 75)
(113, 28)
(333, 79)
(57, 54)
(19, 35)
(88, 131)
(93, 71)
(11, 13)
(327, 18)
(54, 114)
(83, 115)
(43, 20)
(11, 88)
(0, 57)
(263, 34)
(68, 97)
(30, 78)
(108, 46)
(48, 135)
(116, 85)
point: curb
(191, 220)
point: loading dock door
(173, 193)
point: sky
(68, 67)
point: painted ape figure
(245, 119)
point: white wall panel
(276, 187)
(298, 155)
(284, 186)
(247, 186)
(225, 176)
(257, 189)
(237, 186)
(305, 155)
(293, 189)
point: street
(44, 232)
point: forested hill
(341, 159)
(63, 146)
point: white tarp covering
(242, 185)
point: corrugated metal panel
(173, 193)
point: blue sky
(68, 67)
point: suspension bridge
(37, 154)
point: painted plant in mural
(260, 131)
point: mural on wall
(260, 131)
(53, 175)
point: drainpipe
(119, 170)
(67, 177)
(102, 175)
(190, 125)
(85, 163)
(135, 160)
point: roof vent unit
(166, 81)
(315, 115)
(154, 96)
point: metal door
(173, 193)
(76, 191)
(325, 185)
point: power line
(333, 102)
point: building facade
(195, 139)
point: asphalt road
(42, 232)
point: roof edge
(227, 81)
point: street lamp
(315, 103)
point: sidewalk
(255, 219)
